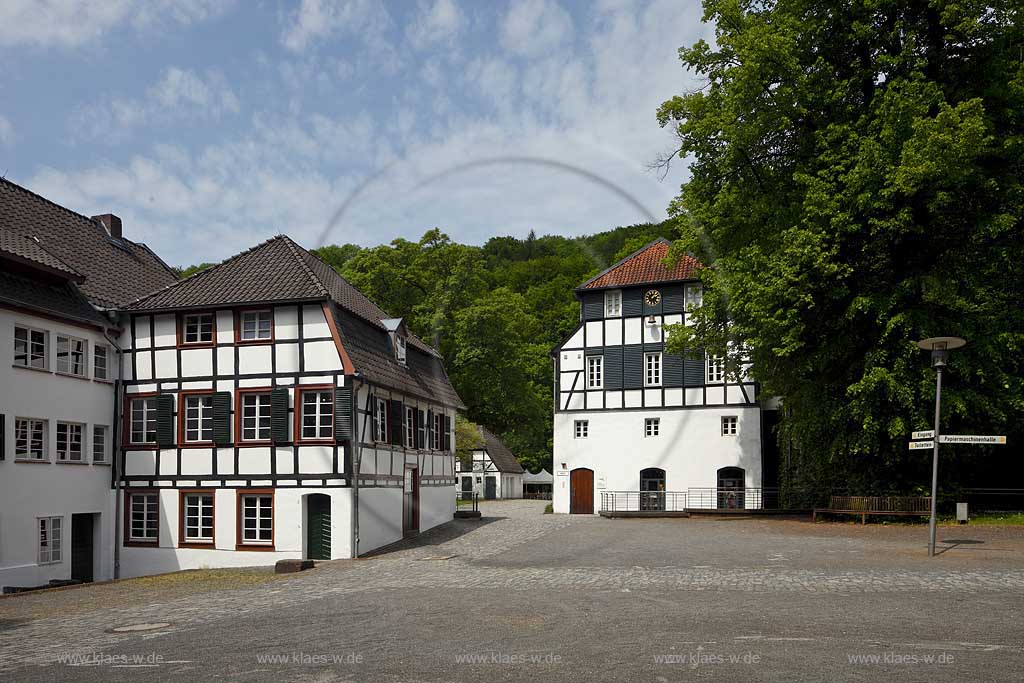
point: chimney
(111, 222)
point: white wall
(690, 448)
(29, 490)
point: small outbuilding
(538, 486)
(494, 472)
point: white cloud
(179, 95)
(317, 20)
(73, 23)
(533, 27)
(6, 131)
(439, 21)
(589, 103)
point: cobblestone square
(521, 595)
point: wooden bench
(911, 506)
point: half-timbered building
(62, 275)
(639, 427)
(492, 471)
(273, 411)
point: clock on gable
(652, 297)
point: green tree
(856, 185)
(467, 439)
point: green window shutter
(165, 420)
(222, 418)
(343, 428)
(421, 429)
(430, 430)
(447, 432)
(279, 415)
(396, 412)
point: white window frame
(50, 539)
(321, 410)
(652, 369)
(148, 514)
(381, 420)
(437, 440)
(613, 303)
(693, 297)
(30, 436)
(261, 501)
(595, 372)
(652, 426)
(147, 412)
(714, 370)
(198, 420)
(400, 348)
(195, 533)
(101, 371)
(81, 369)
(251, 326)
(729, 425)
(35, 357)
(74, 435)
(409, 422)
(99, 443)
(196, 320)
(256, 407)
(581, 429)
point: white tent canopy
(542, 477)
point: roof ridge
(626, 258)
(204, 271)
(294, 248)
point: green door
(318, 527)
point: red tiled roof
(645, 266)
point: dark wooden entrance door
(411, 501)
(318, 527)
(581, 491)
(81, 547)
(490, 488)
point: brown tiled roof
(645, 266)
(49, 296)
(281, 270)
(499, 453)
(27, 250)
(115, 271)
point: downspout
(115, 452)
(357, 458)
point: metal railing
(895, 504)
(467, 500)
(643, 501)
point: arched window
(731, 488)
(652, 489)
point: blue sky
(210, 126)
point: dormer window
(400, 348)
(613, 303)
(397, 334)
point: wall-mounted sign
(927, 434)
(562, 473)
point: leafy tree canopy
(856, 185)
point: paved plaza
(521, 595)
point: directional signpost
(921, 445)
(962, 438)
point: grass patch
(988, 519)
(549, 509)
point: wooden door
(581, 491)
(318, 527)
(411, 501)
(490, 488)
(81, 547)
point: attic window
(400, 348)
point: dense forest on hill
(493, 311)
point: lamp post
(940, 348)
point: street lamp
(940, 348)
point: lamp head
(940, 348)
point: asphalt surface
(533, 597)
